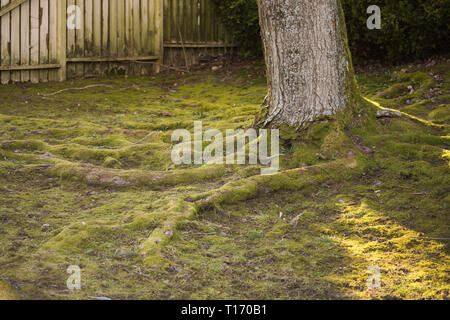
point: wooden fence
(191, 28)
(55, 40)
(30, 50)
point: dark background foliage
(411, 29)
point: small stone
(388, 114)
(176, 269)
(294, 222)
(169, 233)
(120, 182)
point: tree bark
(309, 68)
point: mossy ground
(87, 179)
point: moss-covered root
(99, 176)
(411, 117)
(152, 248)
(295, 179)
(161, 223)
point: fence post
(61, 36)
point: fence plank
(105, 28)
(173, 20)
(89, 69)
(144, 27)
(97, 34)
(43, 39)
(105, 18)
(53, 39)
(88, 26)
(61, 9)
(129, 49)
(15, 43)
(71, 38)
(135, 11)
(121, 24)
(5, 44)
(113, 28)
(80, 39)
(25, 40)
(34, 38)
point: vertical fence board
(53, 39)
(15, 43)
(97, 34)
(158, 43)
(121, 27)
(79, 39)
(105, 29)
(166, 23)
(34, 38)
(144, 31)
(43, 39)
(88, 36)
(113, 33)
(5, 44)
(113, 28)
(88, 25)
(105, 18)
(61, 47)
(25, 40)
(129, 50)
(135, 11)
(71, 37)
(152, 16)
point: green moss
(111, 201)
(334, 144)
(112, 163)
(440, 115)
(7, 292)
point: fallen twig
(83, 88)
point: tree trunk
(309, 68)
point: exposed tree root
(417, 119)
(98, 176)
(242, 190)
(295, 179)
